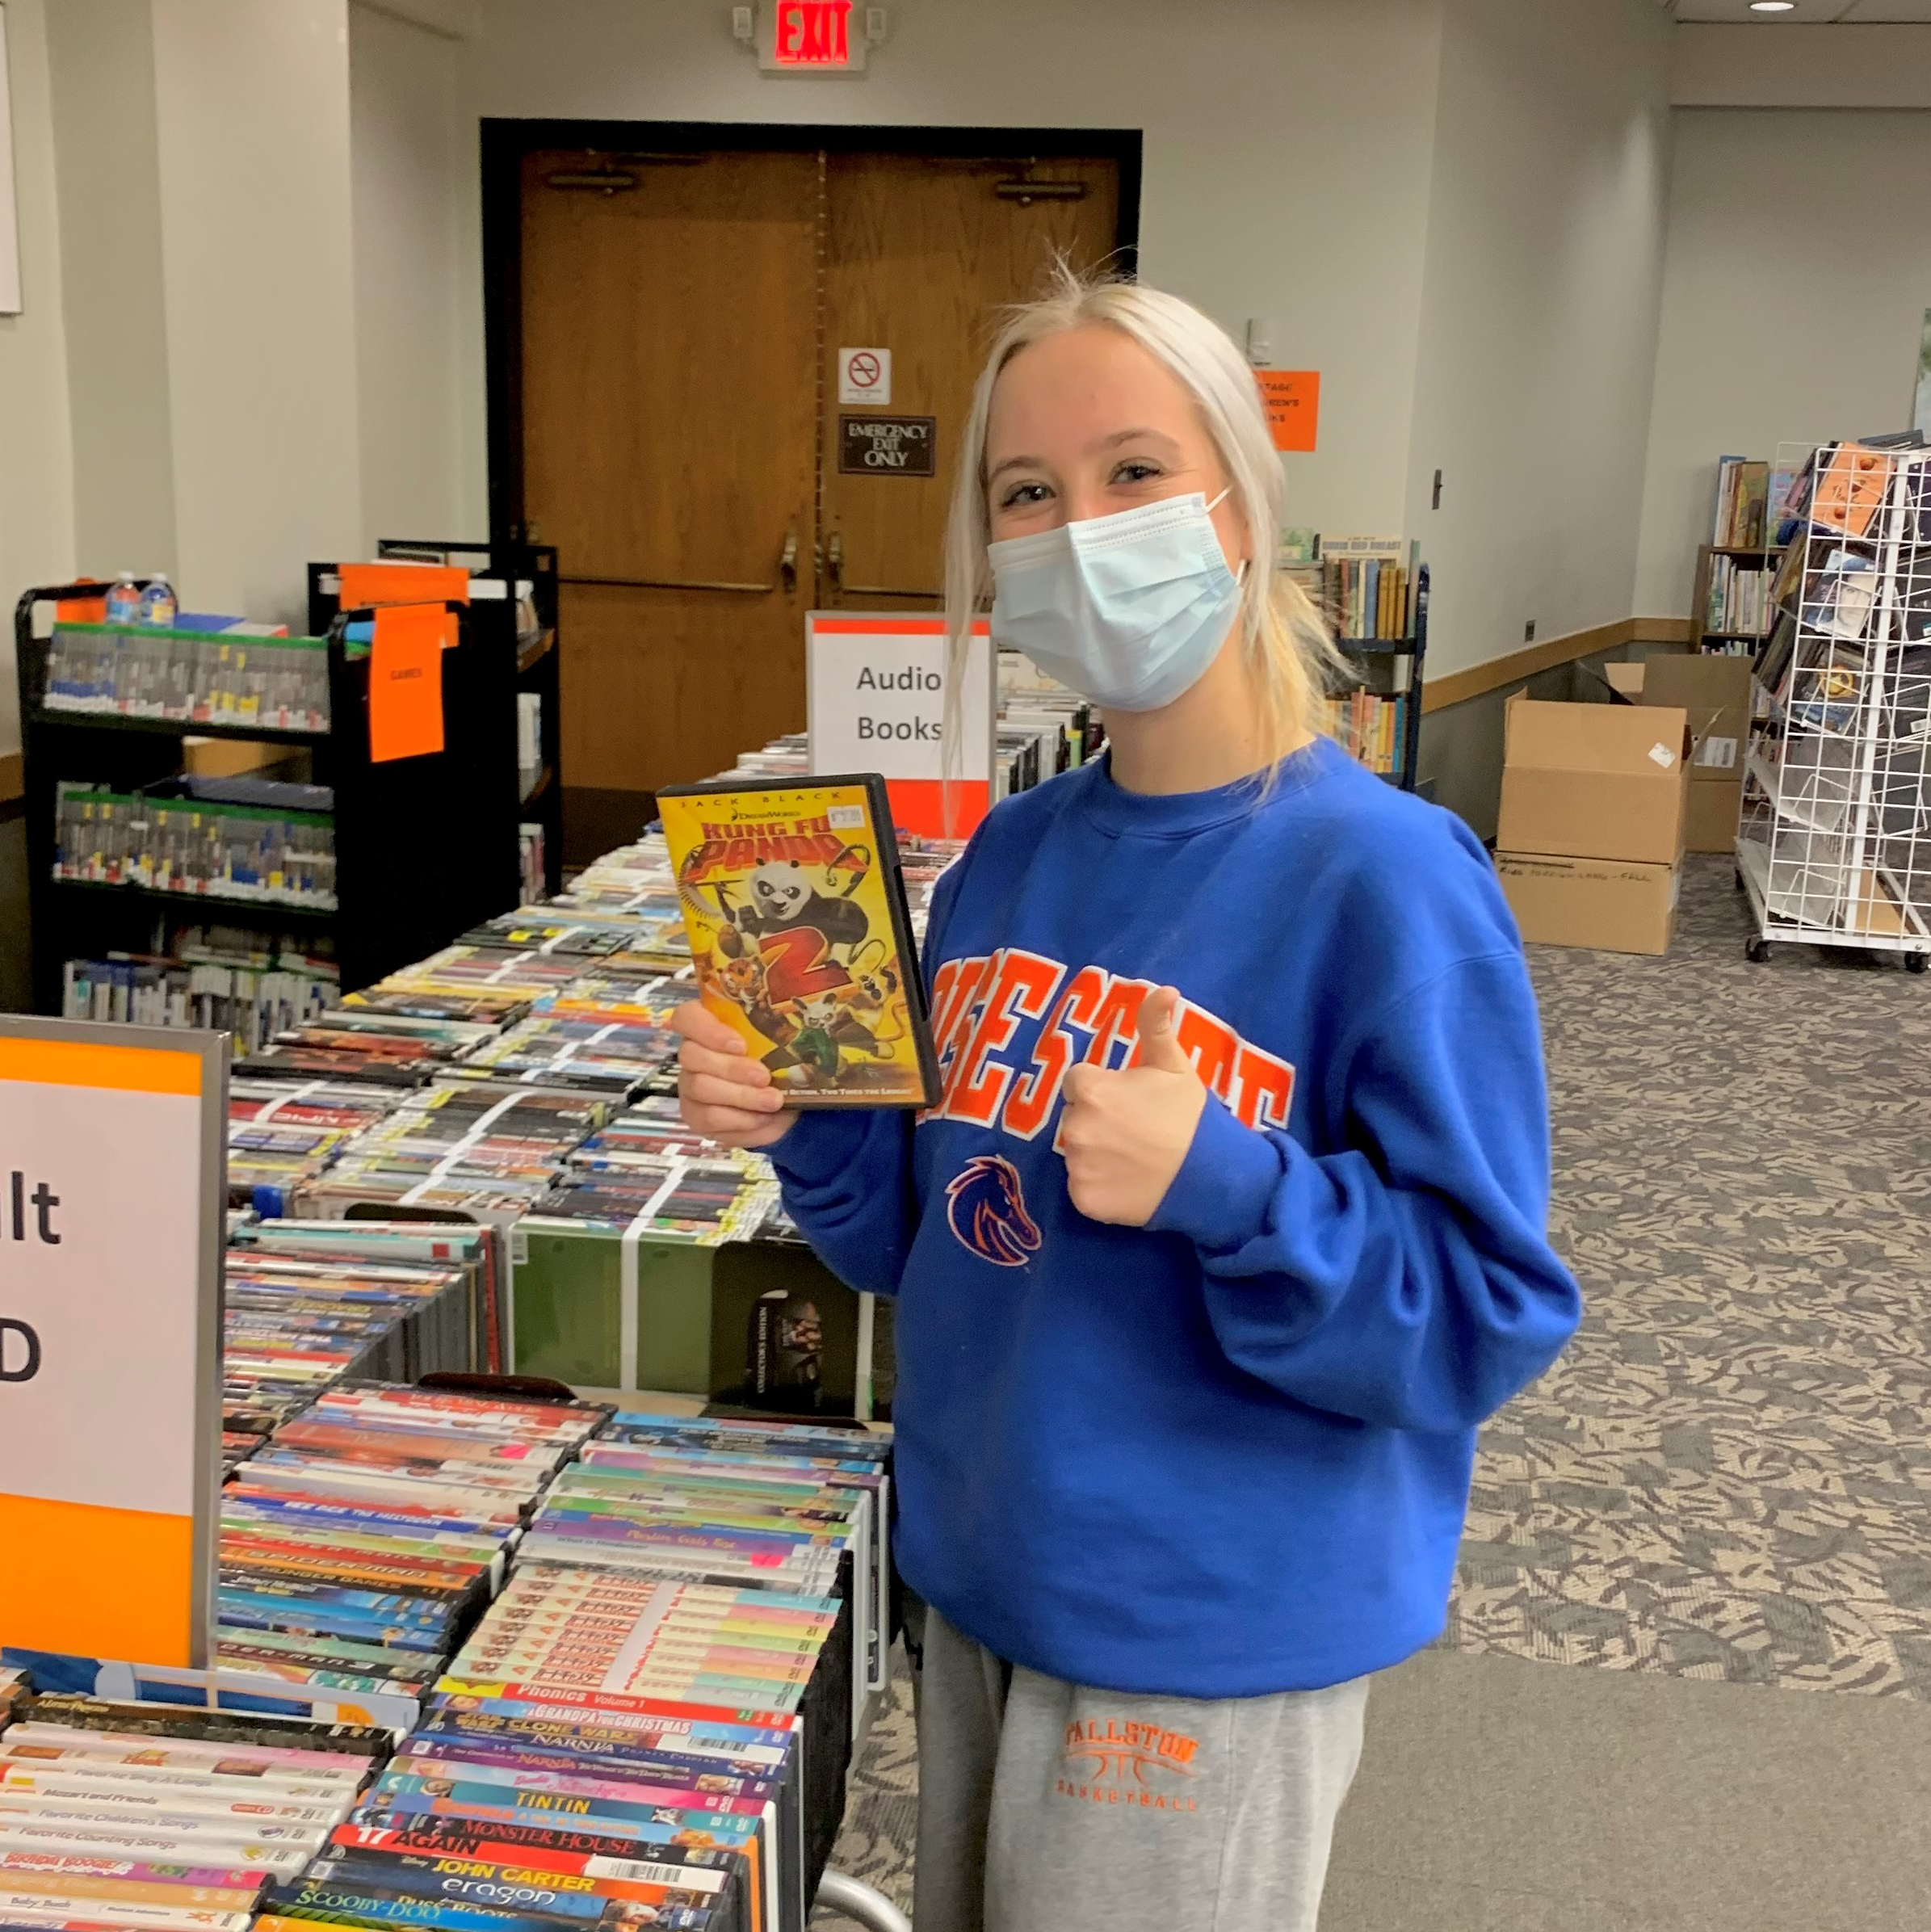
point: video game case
(582, 1871)
(92, 1891)
(49, 1746)
(37, 1914)
(736, 1776)
(526, 1896)
(155, 1720)
(136, 1838)
(220, 1877)
(801, 936)
(554, 1847)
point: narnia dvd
(800, 937)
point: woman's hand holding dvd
(723, 1094)
(1127, 1129)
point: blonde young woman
(1230, 1228)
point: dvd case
(800, 935)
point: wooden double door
(683, 440)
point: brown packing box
(1615, 904)
(1714, 690)
(1594, 781)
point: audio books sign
(112, 1185)
(876, 701)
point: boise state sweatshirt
(1227, 1454)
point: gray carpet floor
(1720, 1495)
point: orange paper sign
(406, 680)
(365, 584)
(1293, 400)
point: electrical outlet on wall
(1529, 631)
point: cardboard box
(1714, 691)
(1613, 905)
(1594, 781)
(1715, 811)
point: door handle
(787, 578)
(834, 569)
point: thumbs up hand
(1127, 1130)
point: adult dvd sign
(876, 701)
(112, 1186)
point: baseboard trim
(13, 776)
(1438, 694)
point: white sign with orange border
(112, 1183)
(876, 701)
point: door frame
(505, 143)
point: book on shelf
(1371, 726)
(1743, 490)
(1737, 603)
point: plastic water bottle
(124, 599)
(157, 602)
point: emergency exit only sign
(811, 36)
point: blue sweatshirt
(1227, 1454)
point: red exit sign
(811, 36)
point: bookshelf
(1392, 668)
(423, 847)
(496, 570)
(1712, 562)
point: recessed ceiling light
(1773, 6)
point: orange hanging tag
(406, 680)
(365, 584)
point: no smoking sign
(865, 376)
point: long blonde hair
(1289, 652)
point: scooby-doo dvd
(799, 937)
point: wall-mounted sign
(876, 701)
(865, 377)
(888, 446)
(811, 36)
(112, 1191)
(1293, 399)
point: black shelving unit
(1414, 648)
(425, 847)
(538, 664)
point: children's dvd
(800, 935)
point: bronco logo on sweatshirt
(1009, 1026)
(986, 1206)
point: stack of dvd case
(487, 1149)
(750, 1504)
(364, 1540)
(595, 1049)
(361, 1043)
(293, 1326)
(282, 1131)
(164, 1817)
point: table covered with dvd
(618, 1659)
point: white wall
(414, 166)
(1539, 306)
(1798, 275)
(37, 475)
(252, 123)
(1287, 154)
(101, 54)
(1780, 64)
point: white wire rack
(1834, 848)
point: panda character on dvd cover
(795, 957)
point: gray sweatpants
(1043, 1807)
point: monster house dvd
(799, 934)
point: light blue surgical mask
(1129, 610)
